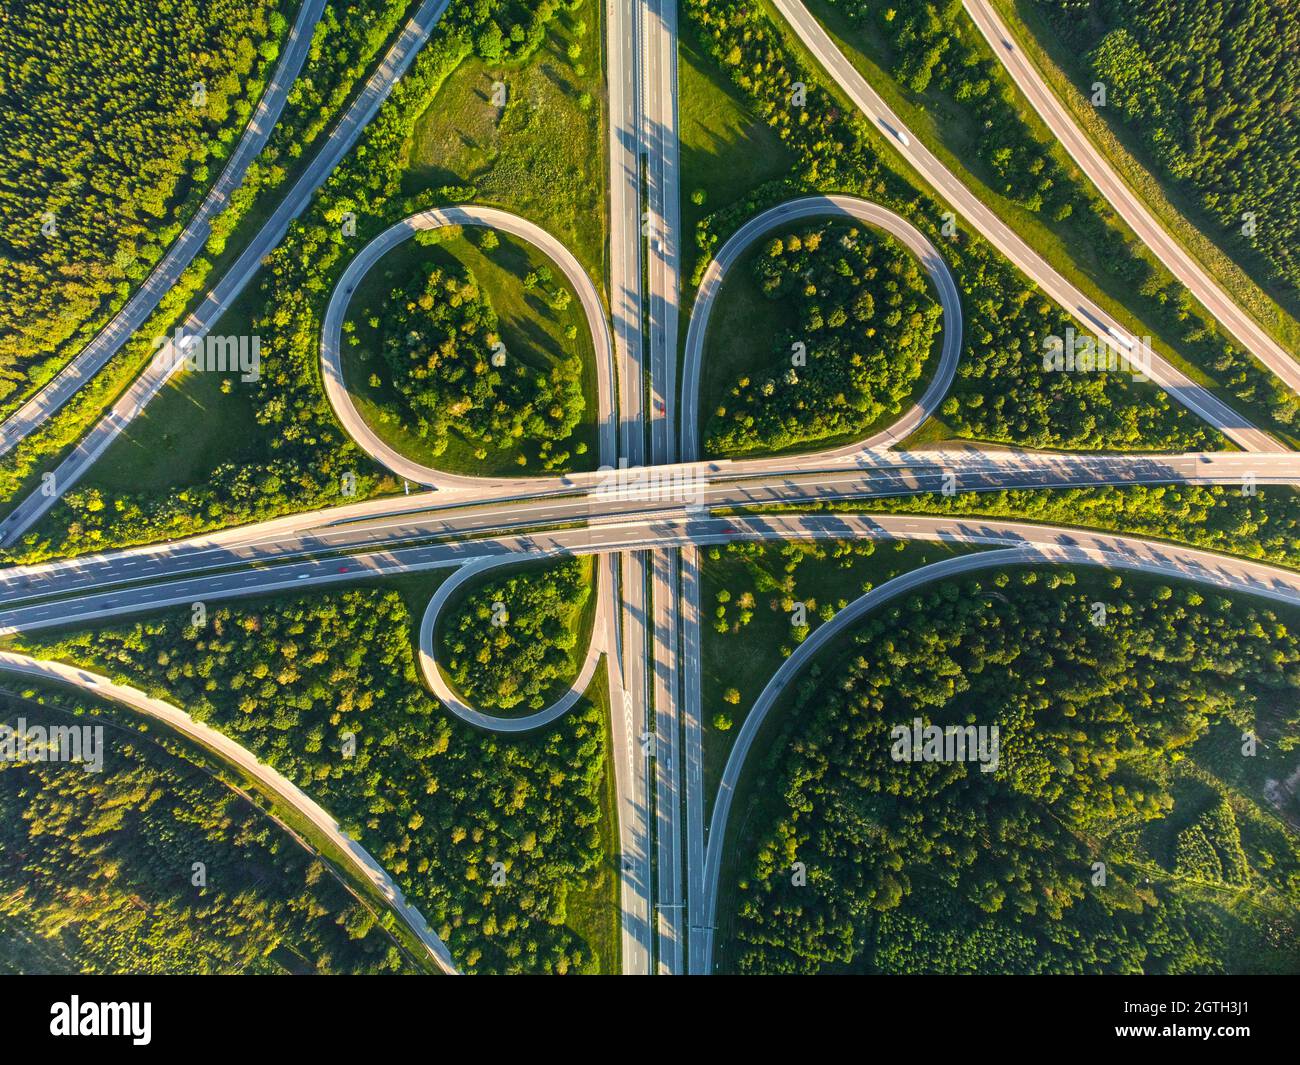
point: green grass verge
(198, 420)
(726, 150)
(595, 912)
(542, 155)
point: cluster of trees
(340, 52)
(514, 642)
(1206, 85)
(486, 835)
(866, 323)
(309, 454)
(770, 572)
(99, 867)
(105, 152)
(438, 336)
(875, 863)
(1210, 848)
(1002, 392)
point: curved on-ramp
(822, 207)
(284, 789)
(437, 218)
(1111, 552)
(438, 684)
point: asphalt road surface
(275, 783)
(447, 695)
(490, 217)
(820, 207)
(1036, 544)
(1189, 272)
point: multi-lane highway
(623, 35)
(647, 623)
(167, 273)
(461, 524)
(663, 274)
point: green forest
(440, 343)
(1209, 87)
(1122, 742)
(928, 52)
(516, 642)
(497, 840)
(942, 61)
(862, 323)
(105, 152)
(97, 869)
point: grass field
(1237, 266)
(530, 329)
(1255, 920)
(543, 154)
(726, 150)
(198, 421)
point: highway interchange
(647, 628)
